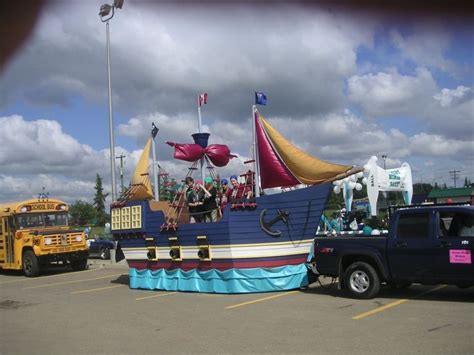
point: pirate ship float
(256, 246)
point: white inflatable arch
(379, 179)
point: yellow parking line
(213, 295)
(393, 304)
(260, 299)
(24, 278)
(72, 282)
(96, 289)
(379, 309)
(155, 296)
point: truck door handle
(445, 244)
(401, 244)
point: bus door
(7, 240)
(2, 242)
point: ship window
(136, 216)
(125, 217)
(116, 219)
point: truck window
(413, 226)
(462, 224)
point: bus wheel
(30, 264)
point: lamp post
(106, 13)
(384, 157)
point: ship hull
(250, 249)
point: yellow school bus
(35, 233)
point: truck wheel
(79, 265)
(104, 253)
(30, 264)
(362, 280)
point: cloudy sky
(342, 83)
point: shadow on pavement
(121, 280)
(416, 291)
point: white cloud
(15, 188)
(42, 146)
(390, 93)
(448, 113)
(426, 46)
(37, 154)
(447, 97)
(162, 56)
(435, 145)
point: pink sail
(273, 172)
(219, 154)
(283, 164)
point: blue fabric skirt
(214, 281)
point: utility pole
(384, 157)
(455, 175)
(121, 157)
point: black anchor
(283, 215)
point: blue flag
(260, 98)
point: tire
(362, 280)
(104, 253)
(79, 265)
(30, 264)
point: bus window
(41, 220)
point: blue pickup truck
(100, 248)
(426, 245)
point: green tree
(467, 182)
(99, 202)
(335, 201)
(422, 188)
(82, 213)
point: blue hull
(240, 254)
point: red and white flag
(202, 99)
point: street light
(384, 157)
(106, 13)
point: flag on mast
(202, 99)
(260, 98)
(154, 130)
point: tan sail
(306, 168)
(141, 184)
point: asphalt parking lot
(95, 312)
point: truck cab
(432, 245)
